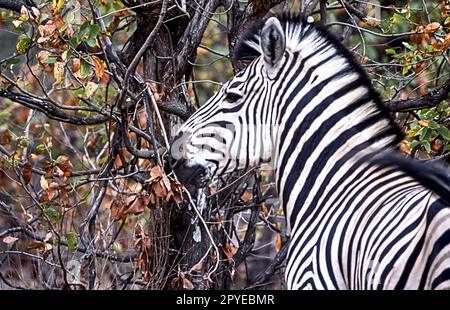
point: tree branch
(240, 20)
(191, 39)
(11, 5)
(48, 108)
(430, 100)
(265, 275)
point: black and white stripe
(360, 216)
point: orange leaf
(246, 196)
(424, 123)
(405, 148)
(229, 250)
(10, 239)
(198, 266)
(187, 284)
(137, 207)
(432, 27)
(100, 67)
(58, 72)
(48, 29)
(436, 145)
(63, 163)
(27, 172)
(5, 138)
(278, 243)
(52, 190)
(44, 183)
(155, 172)
(76, 65)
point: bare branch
(11, 5)
(430, 100)
(48, 108)
(265, 276)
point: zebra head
(235, 129)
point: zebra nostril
(172, 161)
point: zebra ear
(273, 41)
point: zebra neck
(326, 125)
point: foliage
(84, 178)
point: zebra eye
(232, 97)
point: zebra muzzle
(190, 173)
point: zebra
(359, 215)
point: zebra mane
(303, 36)
(299, 31)
(434, 176)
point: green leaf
(390, 51)
(23, 44)
(12, 61)
(406, 69)
(40, 148)
(413, 144)
(85, 69)
(94, 30)
(398, 19)
(444, 132)
(433, 125)
(72, 240)
(50, 60)
(411, 47)
(429, 48)
(91, 42)
(426, 146)
(5, 114)
(52, 214)
(74, 42)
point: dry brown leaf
(48, 29)
(44, 183)
(90, 89)
(436, 145)
(58, 72)
(35, 245)
(64, 163)
(138, 206)
(198, 266)
(5, 138)
(100, 67)
(424, 123)
(155, 172)
(175, 282)
(405, 148)
(177, 190)
(229, 251)
(118, 207)
(10, 239)
(76, 65)
(187, 284)
(52, 190)
(246, 196)
(419, 67)
(160, 190)
(27, 172)
(372, 21)
(42, 57)
(218, 222)
(278, 243)
(432, 27)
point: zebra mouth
(191, 173)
